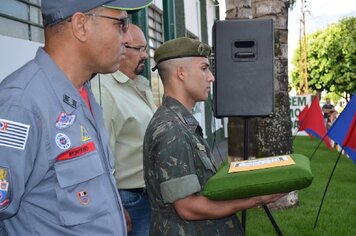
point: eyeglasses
(137, 48)
(124, 22)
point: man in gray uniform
(177, 159)
(56, 170)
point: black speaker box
(243, 64)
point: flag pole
(311, 157)
(327, 186)
(295, 135)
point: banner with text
(297, 104)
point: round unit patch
(62, 141)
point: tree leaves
(331, 57)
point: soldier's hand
(265, 199)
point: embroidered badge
(62, 141)
(70, 101)
(83, 197)
(3, 173)
(13, 134)
(4, 186)
(64, 120)
(201, 147)
(76, 152)
(84, 134)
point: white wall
(210, 15)
(192, 16)
(14, 53)
(158, 4)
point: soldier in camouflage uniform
(177, 159)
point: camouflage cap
(181, 47)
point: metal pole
(326, 188)
(243, 216)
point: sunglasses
(124, 22)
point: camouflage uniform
(177, 163)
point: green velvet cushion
(225, 186)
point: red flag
(350, 139)
(302, 115)
(313, 122)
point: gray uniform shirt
(55, 164)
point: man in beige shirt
(128, 106)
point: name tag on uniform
(70, 101)
(77, 152)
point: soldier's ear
(181, 72)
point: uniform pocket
(206, 160)
(80, 189)
(129, 199)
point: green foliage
(338, 213)
(331, 57)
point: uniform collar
(140, 81)
(62, 87)
(120, 77)
(184, 115)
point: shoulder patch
(13, 134)
(4, 187)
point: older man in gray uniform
(177, 159)
(56, 170)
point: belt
(136, 190)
